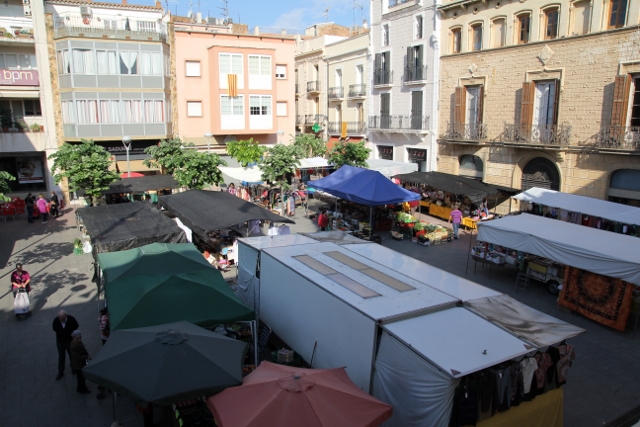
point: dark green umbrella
(167, 363)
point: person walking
(20, 279)
(323, 219)
(42, 208)
(63, 325)
(79, 356)
(456, 219)
(29, 203)
(54, 205)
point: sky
(274, 14)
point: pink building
(261, 67)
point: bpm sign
(19, 77)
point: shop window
(385, 152)
(551, 23)
(456, 40)
(498, 32)
(624, 187)
(523, 28)
(540, 173)
(617, 13)
(476, 37)
(581, 16)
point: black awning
(142, 184)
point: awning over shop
(586, 205)
(135, 165)
(21, 94)
(252, 174)
(590, 249)
(205, 211)
(142, 184)
(313, 162)
(390, 168)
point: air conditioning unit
(85, 10)
(212, 21)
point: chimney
(158, 5)
(124, 1)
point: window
(472, 113)
(132, 111)
(83, 61)
(634, 108)
(498, 33)
(476, 39)
(544, 106)
(230, 63)
(414, 70)
(385, 110)
(231, 106)
(581, 17)
(259, 65)
(147, 26)
(151, 63)
(260, 105)
(64, 65)
(107, 61)
(617, 13)
(385, 35)
(456, 40)
(468, 112)
(281, 108)
(281, 71)
(68, 112)
(32, 107)
(87, 111)
(110, 111)
(192, 68)
(194, 109)
(419, 26)
(523, 28)
(382, 68)
(551, 23)
(128, 62)
(154, 111)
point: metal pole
(126, 141)
(208, 137)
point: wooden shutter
(420, 55)
(480, 103)
(384, 104)
(621, 90)
(409, 62)
(556, 103)
(460, 104)
(527, 102)
(416, 103)
(387, 61)
(378, 62)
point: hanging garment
(543, 361)
(465, 404)
(487, 394)
(528, 366)
(564, 215)
(503, 386)
(552, 372)
(567, 355)
(516, 384)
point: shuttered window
(621, 90)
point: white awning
(390, 168)
(586, 205)
(21, 94)
(253, 174)
(313, 162)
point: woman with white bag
(20, 286)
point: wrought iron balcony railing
(311, 119)
(336, 92)
(358, 90)
(110, 26)
(352, 127)
(466, 132)
(415, 73)
(300, 120)
(619, 137)
(535, 134)
(313, 86)
(400, 123)
(382, 77)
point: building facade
(404, 96)
(347, 75)
(543, 94)
(111, 76)
(233, 86)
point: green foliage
(349, 153)
(167, 155)
(279, 161)
(309, 145)
(85, 165)
(245, 151)
(199, 169)
(4, 185)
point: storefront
(29, 170)
(385, 152)
(136, 155)
(419, 157)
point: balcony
(115, 131)
(71, 24)
(415, 74)
(462, 132)
(393, 3)
(18, 30)
(399, 124)
(619, 138)
(336, 93)
(382, 77)
(356, 128)
(358, 91)
(311, 119)
(313, 86)
(545, 135)
(299, 120)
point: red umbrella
(133, 175)
(284, 396)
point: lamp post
(207, 137)
(126, 141)
(280, 133)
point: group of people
(42, 207)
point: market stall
(390, 168)
(142, 184)
(123, 226)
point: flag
(232, 80)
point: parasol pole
(469, 252)
(313, 353)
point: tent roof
(363, 186)
(389, 168)
(205, 211)
(262, 242)
(335, 236)
(313, 162)
(128, 225)
(587, 205)
(459, 185)
(142, 184)
(597, 251)
(252, 174)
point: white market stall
(389, 319)
(390, 168)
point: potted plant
(21, 125)
(2, 31)
(35, 127)
(6, 119)
(77, 246)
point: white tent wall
(248, 283)
(420, 393)
(390, 168)
(300, 312)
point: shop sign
(415, 154)
(116, 147)
(30, 171)
(19, 77)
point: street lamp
(207, 137)
(126, 141)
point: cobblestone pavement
(604, 382)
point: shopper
(54, 207)
(323, 219)
(42, 208)
(79, 357)
(29, 203)
(103, 321)
(20, 279)
(456, 219)
(63, 325)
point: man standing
(20, 279)
(456, 219)
(63, 325)
(29, 202)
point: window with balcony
(192, 68)
(414, 68)
(498, 32)
(382, 71)
(281, 71)
(84, 61)
(419, 24)
(232, 112)
(385, 35)
(540, 102)
(194, 108)
(230, 63)
(476, 37)
(109, 111)
(132, 111)
(68, 112)
(581, 17)
(259, 72)
(468, 113)
(523, 22)
(456, 40)
(551, 23)
(385, 111)
(150, 63)
(617, 13)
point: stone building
(544, 94)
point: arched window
(471, 166)
(624, 187)
(541, 173)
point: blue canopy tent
(363, 186)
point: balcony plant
(35, 127)
(6, 119)
(3, 31)
(8, 35)
(21, 125)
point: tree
(245, 151)
(310, 145)
(4, 185)
(279, 161)
(198, 170)
(167, 155)
(349, 153)
(85, 165)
